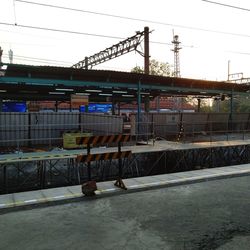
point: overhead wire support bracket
(119, 49)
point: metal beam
(119, 49)
(138, 107)
(81, 83)
(146, 50)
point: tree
(155, 68)
(160, 69)
(241, 104)
(205, 105)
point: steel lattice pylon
(176, 55)
(121, 48)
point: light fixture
(3, 90)
(57, 93)
(128, 95)
(65, 89)
(105, 94)
(82, 94)
(119, 92)
(93, 90)
(144, 93)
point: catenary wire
(75, 32)
(226, 5)
(135, 19)
(106, 36)
(42, 59)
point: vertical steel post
(113, 106)
(119, 108)
(5, 179)
(86, 61)
(44, 174)
(29, 129)
(138, 106)
(89, 167)
(146, 50)
(231, 105)
(40, 173)
(120, 160)
(1, 102)
(56, 106)
(80, 122)
(1, 53)
(199, 105)
(146, 104)
(158, 106)
(70, 106)
(231, 111)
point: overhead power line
(37, 61)
(41, 59)
(59, 30)
(77, 32)
(226, 5)
(106, 36)
(135, 19)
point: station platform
(149, 147)
(73, 193)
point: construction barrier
(94, 140)
(105, 139)
(104, 156)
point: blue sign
(97, 108)
(14, 107)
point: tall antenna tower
(176, 49)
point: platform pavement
(72, 193)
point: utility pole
(146, 62)
(146, 50)
(11, 56)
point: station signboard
(79, 100)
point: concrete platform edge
(139, 188)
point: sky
(204, 55)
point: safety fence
(193, 126)
(33, 129)
(60, 129)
